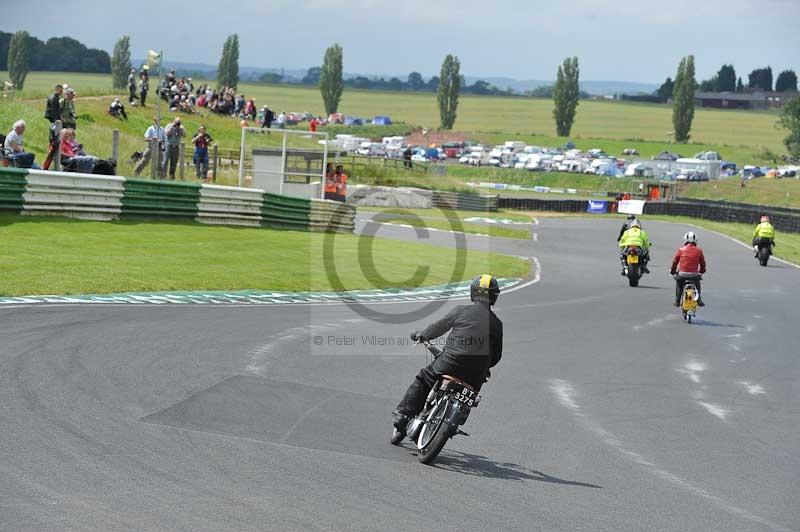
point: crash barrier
(785, 220)
(92, 197)
(463, 201)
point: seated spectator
(175, 103)
(117, 109)
(201, 100)
(73, 158)
(14, 146)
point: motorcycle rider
(625, 226)
(763, 235)
(688, 263)
(474, 345)
(635, 236)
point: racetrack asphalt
(607, 412)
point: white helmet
(635, 223)
(690, 238)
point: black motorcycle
(763, 249)
(447, 407)
(633, 264)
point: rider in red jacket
(688, 263)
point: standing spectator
(175, 133)
(250, 109)
(312, 124)
(144, 87)
(117, 109)
(69, 117)
(282, 120)
(330, 184)
(269, 116)
(240, 103)
(340, 180)
(53, 110)
(170, 79)
(15, 143)
(201, 141)
(155, 131)
(407, 157)
(132, 87)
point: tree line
(725, 80)
(57, 54)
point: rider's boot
(400, 421)
(700, 302)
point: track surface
(607, 413)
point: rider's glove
(415, 336)
(673, 272)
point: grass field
(761, 191)
(495, 118)
(112, 257)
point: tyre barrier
(106, 198)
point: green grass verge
(60, 256)
(761, 191)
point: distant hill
(295, 74)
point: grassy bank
(111, 257)
(761, 191)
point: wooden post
(57, 154)
(215, 156)
(181, 160)
(115, 145)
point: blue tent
(381, 121)
(353, 121)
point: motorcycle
(633, 267)
(689, 298)
(763, 251)
(446, 408)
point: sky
(626, 40)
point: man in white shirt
(282, 120)
(14, 144)
(155, 131)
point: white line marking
(535, 237)
(693, 369)
(753, 389)
(536, 278)
(566, 395)
(715, 410)
(656, 321)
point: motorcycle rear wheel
(763, 256)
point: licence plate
(633, 259)
(462, 394)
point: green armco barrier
(285, 212)
(145, 198)
(12, 189)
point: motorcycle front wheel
(434, 434)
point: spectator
(73, 156)
(201, 141)
(407, 157)
(282, 120)
(144, 87)
(53, 110)
(132, 87)
(340, 180)
(312, 124)
(15, 143)
(269, 116)
(69, 117)
(174, 133)
(170, 79)
(250, 109)
(117, 110)
(330, 184)
(155, 131)
(240, 103)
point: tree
(683, 99)
(709, 85)
(665, 90)
(789, 118)
(270, 77)
(312, 76)
(726, 78)
(739, 85)
(433, 84)
(542, 91)
(415, 81)
(787, 81)
(479, 87)
(121, 62)
(449, 89)
(761, 78)
(566, 92)
(18, 59)
(228, 68)
(331, 83)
